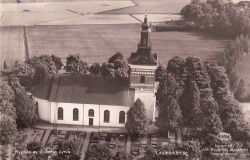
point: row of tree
(115, 67)
(218, 16)
(230, 58)
(39, 69)
(16, 106)
(7, 117)
(18, 110)
(197, 95)
(228, 19)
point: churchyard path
(85, 145)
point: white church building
(98, 101)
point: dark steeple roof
(145, 24)
(143, 55)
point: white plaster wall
(67, 113)
(43, 109)
(114, 115)
(149, 100)
(87, 107)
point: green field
(96, 43)
(152, 6)
(11, 46)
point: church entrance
(90, 121)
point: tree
(222, 23)
(26, 109)
(44, 68)
(5, 65)
(4, 153)
(246, 44)
(196, 70)
(58, 62)
(191, 109)
(34, 146)
(151, 154)
(160, 71)
(218, 5)
(168, 94)
(6, 93)
(229, 109)
(206, 20)
(25, 73)
(122, 156)
(61, 147)
(107, 70)
(8, 129)
(170, 115)
(192, 12)
(97, 151)
(75, 65)
(193, 148)
(46, 60)
(121, 68)
(117, 56)
(21, 157)
(95, 69)
(238, 94)
(6, 100)
(213, 124)
(116, 66)
(137, 121)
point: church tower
(143, 65)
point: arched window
(142, 79)
(75, 114)
(122, 117)
(91, 113)
(106, 116)
(60, 113)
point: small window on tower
(142, 79)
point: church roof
(143, 57)
(86, 90)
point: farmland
(95, 37)
(11, 46)
(96, 43)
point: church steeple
(143, 66)
(143, 55)
(145, 34)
